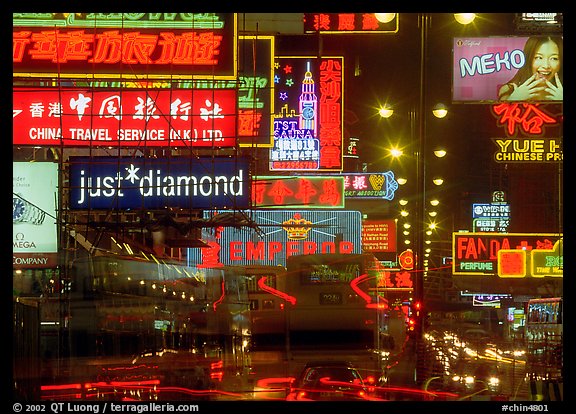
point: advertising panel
(513, 68)
(379, 236)
(283, 233)
(507, 255)
(527, 129)
(254, 88)
(370, 185)
(298, 192)
(155, 183)
(343, 23)
(159, 118)
(34, 206)
(127, 45)
(255, 91)
(308, 118)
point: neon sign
(121, 20)
(112, 182)
(337, 23)
(308, 130)
(522, 117)
(109, 49)
(507, 255)
(543, 150)
(370, 185)
(254, 87)
(284, 233)
(298, 192)
(159, 118)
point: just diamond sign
(198, 183)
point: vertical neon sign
(308, 119)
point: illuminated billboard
(345, 23)
(254, 88)
(34, 205)
(379, 236)
(157, 183)
(126, 45)
(508, 255)
(308, 118)
(370, 185)
(282, 233)
(298, 192)
(513, 68)
(124, 118)
(255, 91)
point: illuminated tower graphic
(308, 104)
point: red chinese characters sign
(526, 118)
(532, 120)
(335, 23)
(160, 118)
(156, 52)
(298, 192)
(379, 236)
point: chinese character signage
(159, 118)
(254, 88)
(298, 192)
(493, 217)
(127, 45)
(515, 68)
(34, 206)
(524, 125)
(507, 255)
(379, 236)
(283, 233)
(370, 185)
(155, 183)
(342, 23)
(308, 104)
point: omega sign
(111, 182)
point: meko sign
(158, 118)
(283, 233)
(127, 45)
(508, 254)
(154, 183)
(298, 192)
(483, 64)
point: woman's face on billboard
(546, 62)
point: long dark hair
(530, 48)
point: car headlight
(469, 380)
(493, 381)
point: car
(328, 381)
(476, 376)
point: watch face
(18, 207)
(308, 113)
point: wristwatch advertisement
(25, 212)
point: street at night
(280, 207)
